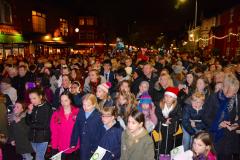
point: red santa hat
(105, 86)
(172, 91)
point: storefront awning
(11, 38)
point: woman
(38, 118)
(136, 143)
(169, 114)
(222, 118)
(92, 81)
(88, 127)
(111, 140)
(62, 123)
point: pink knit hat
(105, 86)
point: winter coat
(19, 133)
(90, 132)
(229, 143)
(189, 113)
(61, 129)
(39, 122)
(137, 148)
(77, 99)
(175, 114)
(111, 141)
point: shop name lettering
(4, 29)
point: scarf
(226, 105)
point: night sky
(152, 16)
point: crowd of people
(136, 106)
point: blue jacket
(90, 131)
(111, 141)
(189, 113)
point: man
(22, 79)
(106, 72)
(149, 76)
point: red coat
(61, 129)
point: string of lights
(215, 37)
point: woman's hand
(232, 127)
(30, 108)
(224, 124)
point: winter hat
(172, 91)
(145, 98)
(105, 86)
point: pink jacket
(61, 129)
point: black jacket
(175, 114)
(39, 122)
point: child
(192, 118)
(38, 118)
(203, 147)
(103, 96)
(88, 127)
(61, 125)
(136, 143)
(77, 95)
(125, 102)
(111, 140)
(19, 132)
(143, 87)
(147, 107)
(168, 115)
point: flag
(57, 156)
(176, 151)
(179, 131)
(99, 153)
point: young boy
(192, 118)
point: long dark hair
(138, 116)
(39, 92)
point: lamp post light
(77, 31)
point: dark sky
(156, 16)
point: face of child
(35, 99)
(199, 147)
(88, 106)
(189, 78)
(122, 100)
(125, 87)
(143, 88)
(74, 88)
(145, 106)
(200, 85)
(197, 103)
(133, 125)
(168, 99)
(18, 108)
(107, 118)
(100, 93)
(65, 101)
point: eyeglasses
(106, 115)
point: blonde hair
(169, 79)
(92, 98)
(162, 103)
(198, 95)
(231, 81)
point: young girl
(38, 118)
(147, 107)
(143, 87)
(111, 140)
(19, 132)
(125, 102)
(103, 96)
(61, 125)
(88, 127)
(136, 143)
(77, 95)
(203, 147)
(168, 115)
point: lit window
(81, 22)
(90, 21)
(38, 22)
(63, 27)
